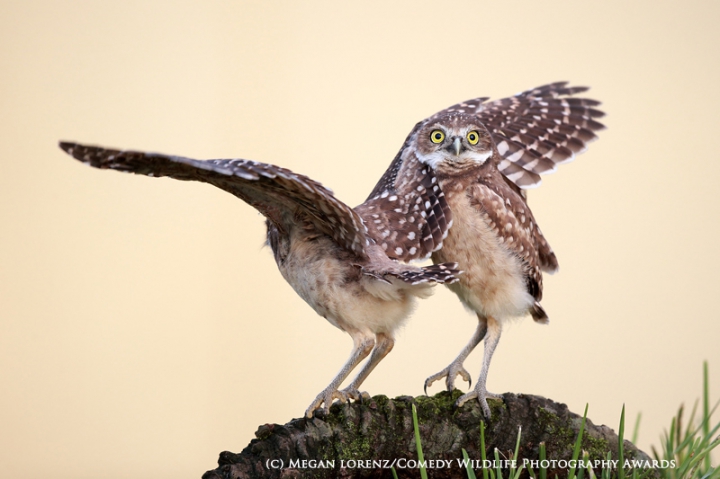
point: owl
(483, 156)
(322, 247)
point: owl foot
(449, 373)
(482, 395)
(326, 398)
(352, 393)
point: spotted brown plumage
(321, 246)
(483, 155)
(537, 129)
(407, 210)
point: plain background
(144, 328)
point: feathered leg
(494, 330)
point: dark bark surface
(362, 440)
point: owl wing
(536, 130)
(276, 192)
(407, 213)
(508, 216)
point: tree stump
(369, 439)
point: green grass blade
(621, 445)
(418, 444)
(468, 469)
(586, 458)
(543, 456)
(515, 473)
(578, 443)
(636, 429)
(482, 449)
(607, 471)
(706, 410)
(531, 471)
(498, 471)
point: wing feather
(509, 217)
(537, 129)
(276, 192)
(407, 212)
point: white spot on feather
(503, 147)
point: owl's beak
(457, 145)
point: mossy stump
(362, 440)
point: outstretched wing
(276, 192)
(407, 213)
(536, 130)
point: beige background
(144, 329)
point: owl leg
(362, 345)
(494, 330)
(456, 367)
(383, 345)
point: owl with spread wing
(484, 155)
(323, 248)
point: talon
(481, 395)
(449, 373)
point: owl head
(454, 142)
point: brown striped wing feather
(276, 192)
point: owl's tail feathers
(538, 314)
(443, 273)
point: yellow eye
(437, 136)
(473, 137)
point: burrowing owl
(483, 155)
(322, 247)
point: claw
(481, 395)
(326, 398)
(449, 373)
